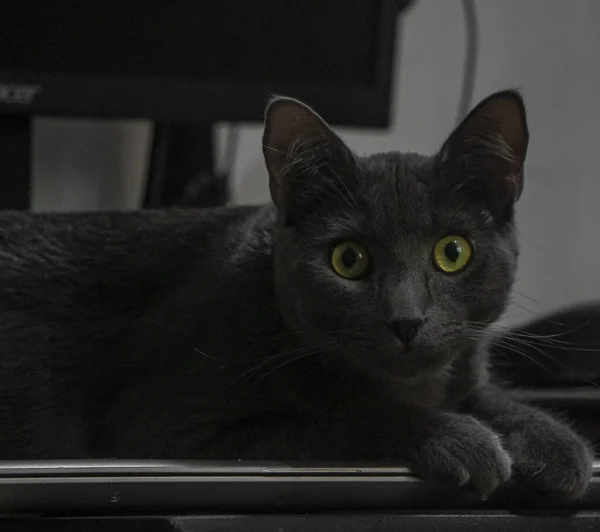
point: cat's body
(115, 304)
(345, 322)
(161, 375)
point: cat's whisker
(291, 360)
(205, 355)
(274, 150)
(507, 345)
(274, 339)
(510, 340)
(291, 351)
(528, 357)
(520, 294)
(556, 344)
(522, 307)
(564, 333)
(550, 339)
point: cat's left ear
(486, 152)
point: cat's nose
(405, 329)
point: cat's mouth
(386, 356)
(428, 355)
(407, 362)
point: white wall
(88, 164)
(547, 48)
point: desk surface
(119, 488)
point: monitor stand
(181, 171)
(15, 161)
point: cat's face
(394, 262)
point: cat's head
(395, 262)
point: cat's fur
(227, 334)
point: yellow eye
(350, 260)
(452, 253)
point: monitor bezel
(175, 100)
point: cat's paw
(555, 464)
(465, 452)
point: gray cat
(346, 321)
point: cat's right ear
(303, 155)
(485, 154)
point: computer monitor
(187, 64)
(198, 60)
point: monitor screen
(330, 41)
(197, 59)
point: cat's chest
(445, 389)
(429, 393)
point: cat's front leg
(457, 448)
(548, 456)
(451, 447)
